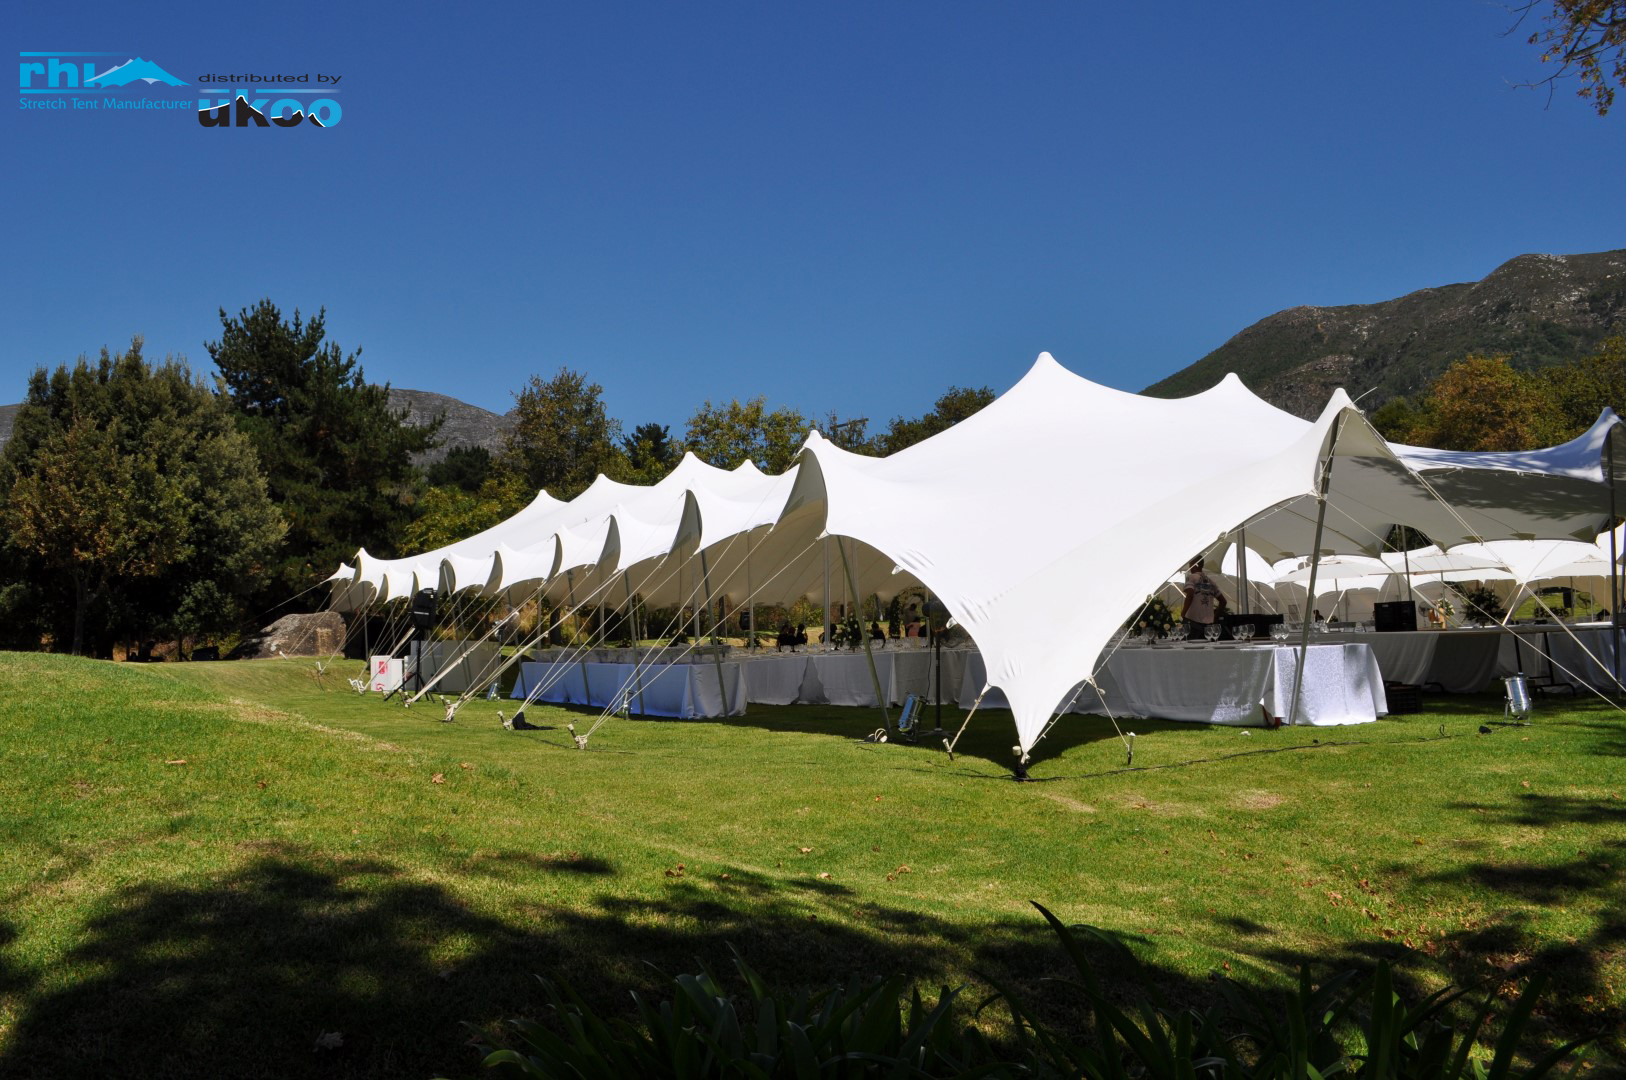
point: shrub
(1352, 1025)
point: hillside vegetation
(1539, 309)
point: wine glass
(1177, 632)
(1244, 631)
(1278, 632)
(1211, 632)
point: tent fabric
(1011, 516)
(1028, 499)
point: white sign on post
(386, 674)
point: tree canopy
(650, 453)
(729, 435)
(1484, 403)
(955, 404)
(337, 458)
(562, 437)
(127, 492)
(1583, 39)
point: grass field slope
(246, 870)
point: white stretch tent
(1040, 522)
(1031, 498)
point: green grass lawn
(209, 867)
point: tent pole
(637, 664)
(750, 600)
(1405, 547)
(825, 633)
(874, 676)
(1242, 565)
(716, 655)
(570, 587)
(1614, 556)
(937, 668)
(1315, 564)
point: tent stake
(874, 676)
(1315, 564)
(948, 745)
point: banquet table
(1581, 655)
(1458, 661)
(816, 677)
(474, 660)
(686, 691)
(1226, 683)
(1470, 660)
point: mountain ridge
(1540, 309)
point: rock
(466, 425)
(318, 634)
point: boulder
(317, 634)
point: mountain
(1540, 309)
(466, 425)
(131, 70)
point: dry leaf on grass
(182, 761)
(438, 778)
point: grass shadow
(1492, 955)
(296, 966)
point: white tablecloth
(1584, 659)
(1219, 684)
(843, 678)
(1223, 684)
(1458, 661)
(481, 660)
(1470, 660)
(682, 690)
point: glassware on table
(1278, 632)
(1177, 632)
(1211, 632)
(1243, 631)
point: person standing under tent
(1204, 601)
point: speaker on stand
(423, 621)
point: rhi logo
(65, 76)
(53, 81)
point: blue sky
(844, 206)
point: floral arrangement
(1155, 619)
(1483, 604)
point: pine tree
(337, 459)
